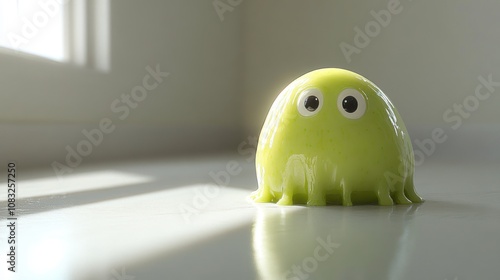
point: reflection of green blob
(329, 243)
(332, 136)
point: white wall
(46, 105)
(426, 59)
(224, 75)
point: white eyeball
(351, 104)
(310, 102)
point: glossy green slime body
(333, 137)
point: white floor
(171, 220)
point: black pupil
(350, 104)
(311, 103)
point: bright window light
(34, 27)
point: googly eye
(310, 102)
(351, 104)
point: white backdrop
(228, 60)
(427, 56)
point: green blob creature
(333, 137)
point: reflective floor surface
(191, 219)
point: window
(73, 31)
(34, 27)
